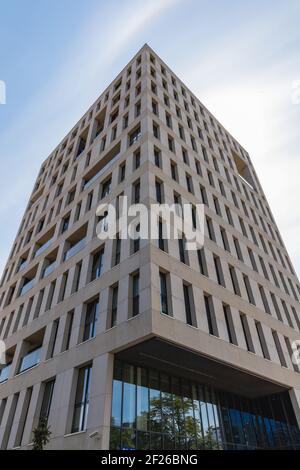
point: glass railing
(74, 249)
(49, 269)
(30, 360)
(98, 131)
(4, 373)
(43, 247)
(89, 182)
(22, 265)
(29, 285)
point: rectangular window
(203, 195)
(154, 107)
(114, 305)
(68, 330)
(97, 264)
(162, 244)
(81, 405)
(134, 136)
(185, 156)
(47, 400)
(276, 307)
(53, 339)
(262, 340)
(39, 303)
(174, 172)
(202, 262)
(234, 280)
(135, 243)
(249, 290)
(156, 131)
(279, 348)
(189, 183)
(77, 212)
(164, 293)
(291, 352)
(189, 305)
(229, 216)
(63, 286)
(135, 285)
(122, 172)
(117, 250)
(169, 120)
(136, 159)
(106, 187)
(238, 249)
(219, 271)
(210, 315)
(65, 224)
(225, 239)
(171, 144)
(157, 158)
(210, 229)
(264, 300)
(125, 121)
(183, 254)
(136, 192)
(229, 325)
(159, 191)
(246, 331)
(263, 267)
(77, 277)
(91, 318)
(28, 311)
(252, 260)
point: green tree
(41, 435)
(172, 414)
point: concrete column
(100, 400)
(60, 334)
(17, 422)
(6, 423)
(61, 413)
(123, 299)
(295, 399)
(33, 414)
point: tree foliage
(41, 435)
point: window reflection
(153, 410)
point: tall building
(137, 344)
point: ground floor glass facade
(153, 410)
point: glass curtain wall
(153, 410)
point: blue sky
(241, 58)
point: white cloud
(249, 89)
(89, 63)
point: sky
(240, 58)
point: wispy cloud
(248, 87)
(89, 63)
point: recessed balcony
(28, 281)
(75, 243)
(44, 243)
(32, 349)
(101, 167)
(49, 264)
